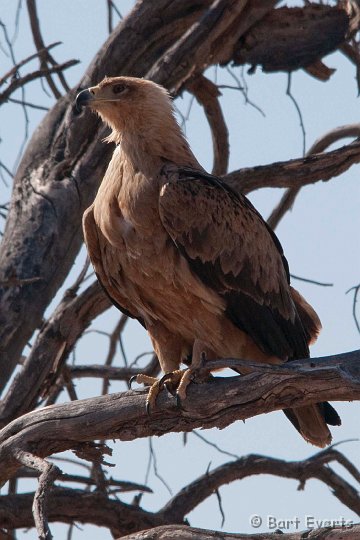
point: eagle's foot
(170, 380)
(183, 377)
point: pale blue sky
(319, 238)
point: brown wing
(96, 245)
(233, 251)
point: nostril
(92, 92)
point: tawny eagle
(187, 256)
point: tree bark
(123, 415)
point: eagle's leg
(170, 350)
(200, 354)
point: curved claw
(165, 378)
(178, 401)
(147, 407)
(132, 379)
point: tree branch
(314, 467)
(115, 373)
(297, 37)
(183, 532)
(123, 415)
(207, 93)
(37, 74)
(67, 505)
(15, 510)
(296, 172)
(53, 344)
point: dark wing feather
(232, 250)
(93, 236)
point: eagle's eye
(118, 88)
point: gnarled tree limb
(176, 532)
(296, 172)
(15, 510)
(123, 415)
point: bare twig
(313, 281)
(44, 55)
(356, 290)
(22, 81)
(114, 337)
(111, 6)
(156, 470)
(298, 110)
(115, 373)
(213, 445)
(13, 72)
(244, 89)
(27, 104)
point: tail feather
(312, 421)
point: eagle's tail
(312, 421)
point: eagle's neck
(147, 149)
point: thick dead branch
(314, 467)
(14, 510)
(207, 93)
(297, 34)
(56, 339)
(296, 172)
(288, 199)
(123, 415)
(68, 505)
(211, 40)
(177, 532)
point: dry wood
(300, 48)
(67, 504)
(207, 93)
(56, 339)
(189, 533)
(296, 172)
(123, 415)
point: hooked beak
(83, 99)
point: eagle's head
(141, 116)
(128, 104)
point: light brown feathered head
(128, 104)
(141, 116)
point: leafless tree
(173, 43)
